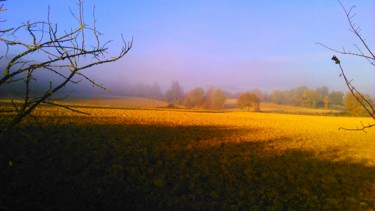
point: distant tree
(326, 101)
(295, 96)
(175, 93)
(336, 98)
(194, 98)
(364, 52)
(278, 97)
(155, 92)
(249, 100)
(257, 92)
(145, 91)
(215, 99)
(305, 97)
(266, 97)
(208, 97)
(62, 54)
(311, 98)
(322, 91)
(139, 90)
(353, 106)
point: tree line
(196, 98)
(305, 97)
(318, 98)
(215, 98)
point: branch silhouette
(66, 55)
(367, 104)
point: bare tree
(363, 51)
(194, 98)
(65, 55)
(248, 100)
(215, 99)
(175, 94)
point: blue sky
(240, 45)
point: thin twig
(67, 107)
(63, 52)
(363, 128)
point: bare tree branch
(356, 30)
(367, 104)
(67, 54)
(369, 58)
(363, 128)
(67, 107)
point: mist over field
(235, 46)
(187, 105)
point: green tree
(326, 101)
(354, 107)
(297, 96)
(311, 98)
(323, 91)
(336, 98)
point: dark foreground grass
(151, 167)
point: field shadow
(143, 167)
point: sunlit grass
(164, 159)
(316, 133)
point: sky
(236, 45)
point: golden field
(136, 159)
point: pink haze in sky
(238, 45)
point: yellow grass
(113, 101)
(108, 102)
(288, 109)
(142, 159)
(318, 134)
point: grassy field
(118, 102)
(160, 159)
